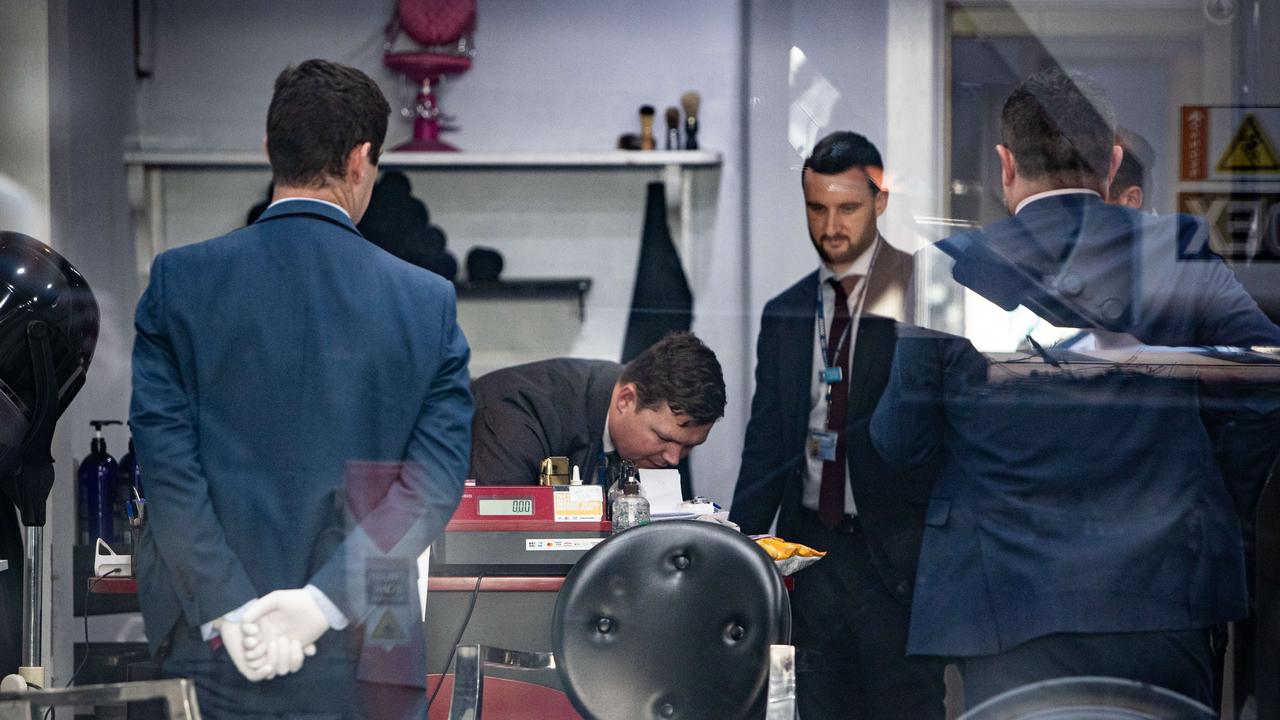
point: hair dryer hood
(37, 283)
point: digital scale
(520, 530)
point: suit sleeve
(209, 578)
(908, 424)
(1243, 422)
(422, 496)
(1226, 313)
(765, 469)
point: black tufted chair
(675, 620)
(1090, 698)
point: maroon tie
(831, 494)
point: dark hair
(840, 151)
(319, 112)
(1136, 165)
(682, 372)
(1059, 126)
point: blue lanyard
(850, 330)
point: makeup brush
(690, 101)
(646, 128)
(673, 128)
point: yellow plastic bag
(789, 557)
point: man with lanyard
(823, 358)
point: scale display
(503, 506)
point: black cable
(453, 649)
(88, 589)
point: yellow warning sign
(388, 628)
(1250, 150)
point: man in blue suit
(1080, 524)
(301, 404)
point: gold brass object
(555, 471)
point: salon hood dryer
(48, 330)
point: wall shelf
(527, 289)
(567, 223)
(146, 170)
(446, 161)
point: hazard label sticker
(1250, 150)
(1230, 143)
(388, 629)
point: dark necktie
(831, 493)
(613, 468)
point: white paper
(662, 489)
(424, 567)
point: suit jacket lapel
(599, 393)
(875, 339)
(796, 352)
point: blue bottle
(99, 476)
(129, 481)
(130, 477)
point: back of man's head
(1060, 128)
(1135, 167)
(319, 112)
(842, 150)
(682, 372)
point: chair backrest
(670, 620)
(436, 22)
(1090, 698)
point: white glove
(266, 642)
(291, 613)
(262, 667)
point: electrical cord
(88, 589)
(453, 648)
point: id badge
(831, 375)
(822, 445)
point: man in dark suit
(1077, 261)
(823, 359)
(1079, 525)
(652, 411)
(301, 405)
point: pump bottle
(129, 481)
(630, 509)
(99, 476)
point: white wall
(843, 45)
(24, 121)
(25, 193)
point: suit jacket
(1079, 262)
(530, 412)
(301, 405)
(1088, 505)
(771, 476)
